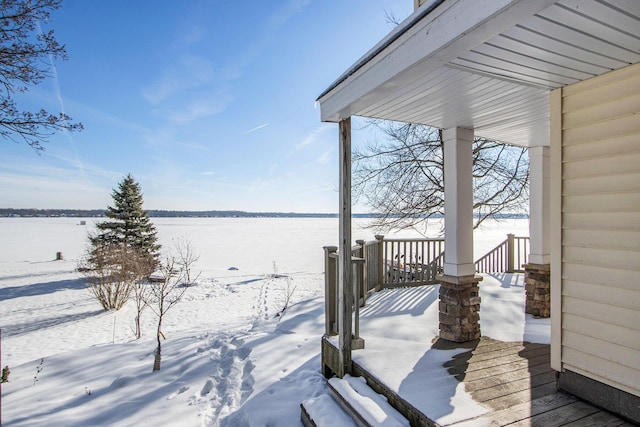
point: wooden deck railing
(507, 257)
(412, 262)
(387, 263)
(378, 264)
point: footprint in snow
(206, 388)
(180, 391)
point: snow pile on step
(324, 411)
(371, 406)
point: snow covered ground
(227, 360)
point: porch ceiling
(487, 64)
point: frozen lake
(252, 244)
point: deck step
(365, 406)
(350, 402)
(324, 411)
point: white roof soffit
(487, 64)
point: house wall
(599, 222)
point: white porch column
(539, 181)
(459, 316)
(458, 202)
(345, 285)
(538, 269)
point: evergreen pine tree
(129, 226)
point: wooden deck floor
(515, 381)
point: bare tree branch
(402, 177)
(26, 59)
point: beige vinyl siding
(601, 228)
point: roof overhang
(486, 64)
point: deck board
(526, 410)
(599, 419)
(516, 383)
(560, 416)
(508, 389)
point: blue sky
(209, 104)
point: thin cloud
(190, 72)
(257, 127)
(325, 157)
(288, 11)
(193, 146)
(312, 137)
(194, 72)
(83, 167)
(193, 35)
(257, 185)
(33, 185)
(201, 108)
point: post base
(537, 279)
(357, 343)
(459, 308)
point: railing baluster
(404, 263)
(422, 260)
(431, 248)
(392, 261)
(411, 261)
(386, 263)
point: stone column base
(537, 279)
(459, 308)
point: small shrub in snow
(287, 292)
(38, 370)
(113, 272)
(5, 375)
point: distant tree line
(98, 213)
(5, 212)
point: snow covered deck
(503, 378)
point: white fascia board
(453, 28)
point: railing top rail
(416, 239)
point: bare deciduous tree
(176, 277)
(185, 258)
(140, 296)
(402, 178)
